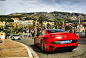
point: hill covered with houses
(66, 17)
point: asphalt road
(76, 53)
(82, 40)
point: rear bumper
(53, 47)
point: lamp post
(6, 29)
(36, 27)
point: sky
(26, 6)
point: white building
(2, 35)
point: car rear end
(61, 40)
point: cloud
(12, 6)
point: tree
(57, 22)
(38, 26)
(49, 26)
(33, 25)
(41, 19)
(67, 28)
(75, 24)
(10, 24)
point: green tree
(49, 26)
(10, 24)
(57, 23)
(33, 25)
(67, 28)
(75, 24)
(38, 26)
(41, 19)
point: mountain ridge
(65, 16)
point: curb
(33, 53)
(82, 43)
(30, 51)
(16, 57)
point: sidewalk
(10, 48)
(13, 49)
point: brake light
(52, 35)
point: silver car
(80, 34)
(16, 37)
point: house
(2, 23)
(2, 35)
(70, 24)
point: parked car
(80, 34)
(16, 37)
(55, 39)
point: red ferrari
(55, 39)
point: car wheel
(42, 46)
(34, 42)
(83, 36)
(13, 38)
(18, 38)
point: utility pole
(36, 28)
(6, 29)
(45, 26)
(63, 26)
(79, 26)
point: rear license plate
(67, 41)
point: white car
(16, 37)
(80, 34)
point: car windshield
(55, 30)
(15, 35)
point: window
(55, 30)
(43, 32)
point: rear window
(55, 30)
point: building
(2, 23)
(2, 35)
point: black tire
(42, 46)
(83, 36)
(34, 42)
(18, 38)
(13, 38)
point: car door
(41, 37)
(37, 38)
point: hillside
(67, 17)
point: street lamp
(6, 29)
(36, 27)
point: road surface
(76, 53)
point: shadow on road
(38, 49)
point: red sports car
(54, 39)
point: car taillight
(52, 35)
(73, 41)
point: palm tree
(41, 19)
(57, 23)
